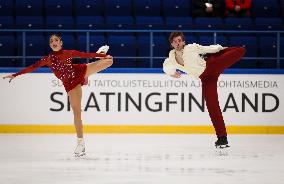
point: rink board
(132, 101)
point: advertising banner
(143, 99)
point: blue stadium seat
(268, 23)
(211, 23)
(29, 22)
(7, 45)
(177, 23)
(250, 43)
(124, 46)
(118, 7)
(147, 8)
(234, 23)
(29, 7)
(89, 7)
(268, 48)
(176, 8)
(89, 22)
(6, 22)
(189, 38)
(59, 22)
(160, 49)
(69, 41)
(7, 48)
(8, 62)
(35, 45)
(6, 8)
(160, 46)
(282, 46)
(282, 8)
(58, 7)
(209, 40)
(281, 51)
(265, 8)
(122, 22)
(143, 22)
(95, 42)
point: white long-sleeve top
(194, 64)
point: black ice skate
(222, 142)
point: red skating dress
(60, 62)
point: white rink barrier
(143, 99)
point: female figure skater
(207, 63)
(73, 77)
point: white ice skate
(103, 49)
(80, 149)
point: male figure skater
(207, 63)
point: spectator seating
(147, 8)
(29, 22)
(118, 8)
(265, 8)
(88, 7)
(176, 8)
(29, 7)
(250, 43)
(58, 7)
(6, 8)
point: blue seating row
(138, 46)
(260, 8)
(140, 22)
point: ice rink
(141, 159)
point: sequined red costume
(60, 62)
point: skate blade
(222, 146)
(80, 154)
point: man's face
(178, 43)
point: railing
(151, 34)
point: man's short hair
(176, 34)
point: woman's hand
(11, 77)
(176, 75)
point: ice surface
(141, 159)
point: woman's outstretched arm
(31, 68)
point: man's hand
(237, 8)
(176, 75)
(209, 9)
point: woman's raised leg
(98, 66)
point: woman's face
(178, 43)
(55, 43)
